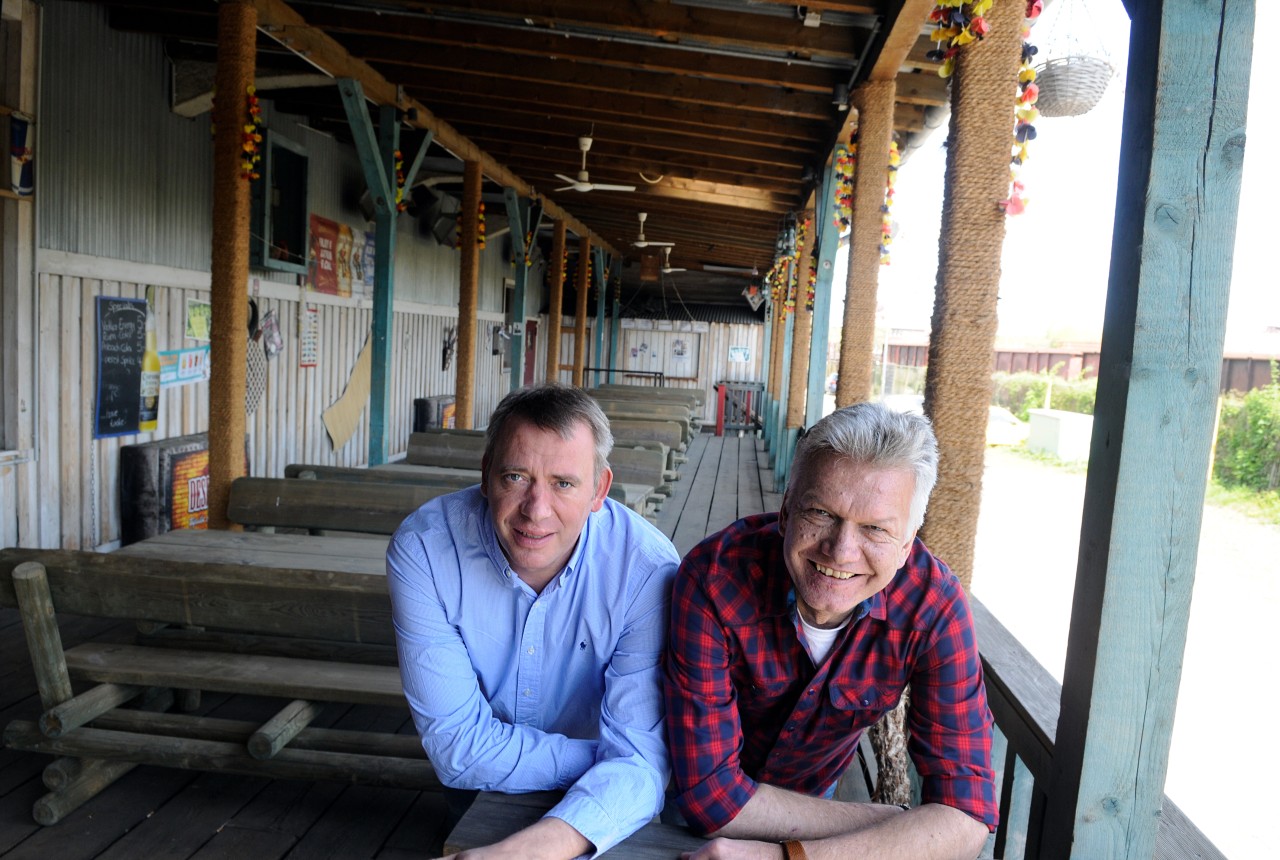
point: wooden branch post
(468, 296)
(229, 265)
(827, 236)
(600, 274)
(798, 373)
(874, 101)
(555, 312)
(580, 313)
(615, 331)
(1181, 157)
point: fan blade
(564, 178)
(566, 188)
(600, 187)
(662, 244)
(669, 271)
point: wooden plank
(308, 603)
(750, 497)
(1181, 159)
(282, 677)
(692, 526)
(260, 549)
(724, 497)
(340, 505)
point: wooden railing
(1024, 700)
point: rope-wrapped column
(958, 384)
(229, 263)
(800, 337)
(468, 295)
(874, 101)
(580, 313)
(555, 273)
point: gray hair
(875, 435)
(554, 407)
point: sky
(1057, 253)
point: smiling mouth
(833, 573)
(529, 536)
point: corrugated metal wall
(79, 475)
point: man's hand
(736, 849)
(548, 839)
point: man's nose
(537, 500)
(843, 542)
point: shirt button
(866, 703)
(528, 693)
(791, 727)
(811, 692)
(530, 649)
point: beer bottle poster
(121, 339)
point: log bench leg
(53, 683)
(282, 728)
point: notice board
(121, 339)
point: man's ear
(905, 549)
(602, 489)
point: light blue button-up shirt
(515, 691)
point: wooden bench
(318, 506)
(98, 740)
(695, 397)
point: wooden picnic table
(496, 816)
(258, 549)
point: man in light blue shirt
(530, 613)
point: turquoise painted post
(523, 218)
(780, 407)
(1181, 155)
(377, 157)
(600, 271)
(616, 325)
(828, 241)
(766, 400)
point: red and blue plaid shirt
(746, 705)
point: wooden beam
(418, 68)
(1181, 155)
(920, 88)
(290, 29)
(365, 34)
(555, 310)
(779, 34)
(468, 297)
(901, 39)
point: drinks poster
(189, 490)
(322, 259)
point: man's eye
(564, 485)
(819, 514)
(512, 477)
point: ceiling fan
(666, 260)
(583, 182)
(642, 242)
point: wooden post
(40, 625)
(827, 236)
(282, 728)
(75, 712)
(555, 311)
(803, 329)
(874, 101)
(229, 264)
(600, 273)
(1181, 156)
(616, 329)
(580, 313)
(468, 297)
(958, 385)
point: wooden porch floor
(163, 813)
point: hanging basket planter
(1071, 86)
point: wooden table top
(259, 549)
(495, 816)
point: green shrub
(1248, 449)
(1020, 392)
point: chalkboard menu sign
(122, 334)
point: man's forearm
(834, 829)
(775, 814)
(929, 832)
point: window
(278, 214)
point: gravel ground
(1032, 511)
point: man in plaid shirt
(793, 632)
